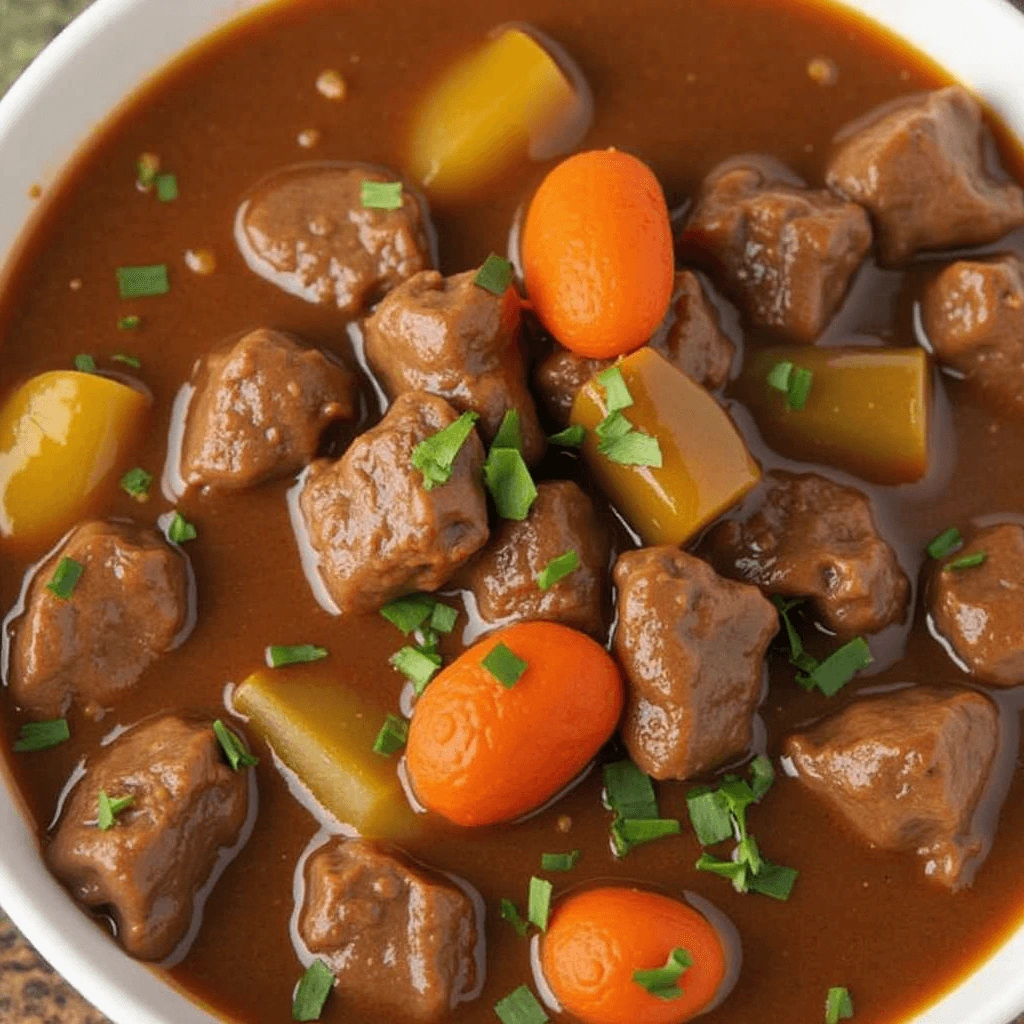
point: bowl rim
(980, 48)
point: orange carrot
(597, 253)
(598, 939)
(480, 752)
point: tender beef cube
(692, 340)
(919, 167)
(817, 539)
(973, 315)
(906, 770)
(259, 411)
(785, 252)
(980, 610)
(400, 940)
(449, 336)
(188, 808)
(129, 606)
(306, 230)
(503, 577)
(377, 529)
(692, 646)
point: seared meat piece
(973, 315)
(692, 646)
(980, 610)
(503, 577)
(400, 940)
(305, 229)
(127, 609)
(906, 770)
(449, 336)
(785, 252)
(259, 410)
(692, 340)
(378, 531)
(146, 870)
(918, 166)
(815, 538)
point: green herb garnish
(282, 655)
(136, 483)
(838, 1006)
(557, 569)
(571, 437)
(110, 809)
(832, 674)
(381, 195)
(510, 433)
(180, 530)
(630, 794)
(143, 282)
(65, 578)
(410, 612)
(443, 618)
(419, 666)
(146, 169)
(312, 992)
(633, 449)
(628, 833)
(509, 482)
(495, 275)
(520, 1007)
(559, 861)
(435, 456)
(510, 912)
(504, 665)
(234, 749)
(132, 361)
(85, 363)
(539, 906)
(129, 323)
(42, 735)
(663, 982)
(971, 561)
(794, 381)
(166, 188)
(616, 393)
(393, 735)
(946, 543)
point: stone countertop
(30, 991)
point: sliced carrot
(598, 939)
(481, 752)
(597, 253)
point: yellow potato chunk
(867, 410)
(508, 101)
(325, 733)
(62, 434)
(705, 467)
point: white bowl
(72, 87)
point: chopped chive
(435, 456)
(510, 433)
(520, 1007)
(946, 543)
(120, 357)
(559, 861)
(410, 612)
(510, 913)
(632, 449)
(798, 657)
(663, 982)
(838, 1006)
(146, 169)
(539, 906)
(417, 665)
(392, 736)
(509, 482)
(443, 618)
(571, 437)
(709, 815)
(143, 282)
(800, 382)
(381, 195)
(628, 791)
(282, 655)
(748, 852)
(971, 561)
(838, 668)
(85, 363)
(557, 569)
(762, 773)
(110, 809)
(65, 578)
(312, 991)
(774, 880)
(504, 665)
(616, 393)
(628, 833)
(779, 375)
(136, 483)
(736, 871)
(234, 749)
(129, 323)
(495, 275)
(42, 735)
(180, 530)
(166, 188)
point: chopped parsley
(510, 432)
(381, 195)
(234, 750)
(180, 530)
(616, 393)
(410, 612)
(435, 456)
(663, 982)
(143, 282)
(571, 437)
(509, 482)
(619, 441)
(129, 323)
(166, 188)
(136, 483)
(495, 275)
(85, 363)
(282, 655)
(312, 991)
(557, 569)
(109, 809)
(393, 735)
(504, 665)
(147, 167)
(520, 1007)
(65, 578)
(42, 735)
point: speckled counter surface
(30, 991)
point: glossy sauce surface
(683, 85)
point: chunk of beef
(503, 577)
(692, 646)
(918, 166)
(259, 411)
(188, 807)
(980, 610)
(449, 336)
(973, 315)
(400, 940)
(785, 252)
(305, 229)
(128, 607)
(815, 538)
(691, 339)
(906, 770)
(377, 529)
